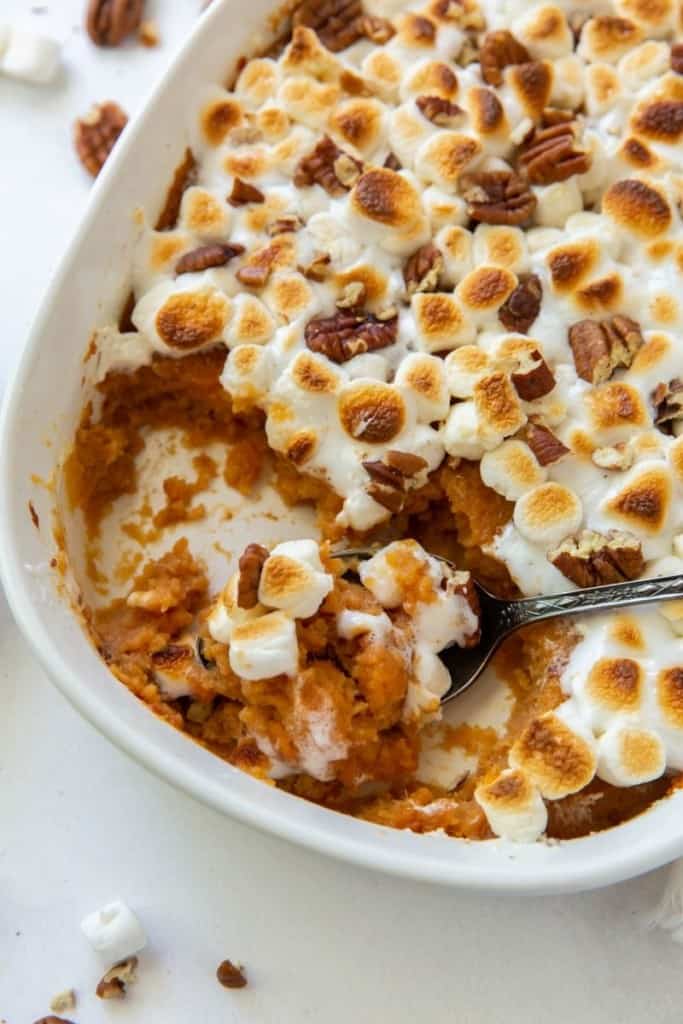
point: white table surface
(80, 824)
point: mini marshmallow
(430, 672)
(465, 433)
(629, 756)
(251, 322)
(29, 56)
(352, 624)
(557, 202)
(512, 469)
(441, 322)
(548, 513)
(556, 757)
(425, 377)
(114, 932)
(171, 665)
(293, 579)
(464, 368)
(247, 373)
(226, 613)
(179, 318)
(264, 647)
(513, 807)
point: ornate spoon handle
(513, 614)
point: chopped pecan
(377, 30)
(498, 50)
(591, 559)
(618, 456)
(405, 462)
(534, 380)
(439, 110)
(389, 477)
(251, 564)
(544, 444)
(243, 192)
(285, 225)
(255, 273)
(522, 306)
(63, 1001)
(148, 33)
(231, 975)
(344, 335)
(337, 23)
(347, 170)
(319, 267)
(113, 984)
(551, 154)
(387, 496)
(108, 22)
(392, 162)
(320, 166)
(423, 269)
(498, 197)
(96, 134)
(599, 347)
(668, 402)
(53, 1020)
(215, 255)
(383, 474)
(677, 58)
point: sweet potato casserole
(422, 272)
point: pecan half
(498, 50)
(113, 984)
(251, 564)
(230, 975)
(677, 58)
(544, 444)
(534, 379)
(108, 22)
(599, 347)
(344, 335)
(522, 306)
(668, 402)
(243, 192)
(206, 256)
(551, 154)
(498, 197)
(439, 110)
(339, 23)
(95, 135)
(422, 271)
(591, 559)
(321, 167)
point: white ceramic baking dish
(39, 414)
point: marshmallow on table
(27, 55)
(114, 931)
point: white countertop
(80, 824)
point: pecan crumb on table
(96, 134)
(230, 975)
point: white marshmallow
(557, 202)
(29, 56)
(352, 624)
(264, 647)
(114, 931)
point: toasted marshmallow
(114, 932)
(263, 647)
(178, 318)
(466, 435)
(226, 613)
(293, 579)
(656, 19)
(629, 756)
(171, 666)
(385, 208)
(30, 56)
(643, 63)
(444, 156)
(382, 71)
(425, 376)
(603, 90)
(500, 246)
(359, 123)
(251, 322)
(638, 207)
(556, 757)
(613, 687)
(257, 82)
(247, 375)
(557, 202)
(484, 290)
(606, 38)
(220, 113)
(464, 368)
(513, 807)
(512, 469)
(568, 82)
(545, 32)
(455, 246)
(430, 78)
(441, 321)
(205, 213)
(548, 513)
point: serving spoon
(500, 617)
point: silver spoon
(500, 618)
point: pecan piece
(498, 197)
(96, 134)
(534, 379)
(498, 50)
(255, 273)
(544, 444)
(206, 256)
(321, 167)
(112, 985)
(337, 23)
(53, 1020)
(251, 564)
(243, 192)
(344, 335)
(405, 462)
(591, 559)
(551, 154)
(108, 22)
(423, 269)
(600, 347)
(392, 162)
(439, 110)
(522, 306)
(381, 473)
(677, 58)
(231, 975)
(285, 225)
(668, 402)
(387, 495)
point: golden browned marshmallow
(487, 113)
(500, 246)
(513, 806)
(258, 81)
(251, 322)
(289, 295)
(616, 404)
(548, 513)
(497, 404)
(415, 31)
(625, 631)
(511, 469)
(608, 38)
(386, 208)
(247, 162)
(218, 117)
(484, 290)
(659, 121)
(307, 100)
(425, 377)
(615, 685)
(188, 320)
(531, 85)
(571, 264)
(441, 323)
(372, 413)
(314, 375)
(306, 55)
(603, 88)
(273, 122)
(643, 504)
(359, 123)
(670, 695)
(202, 213)
(655, 17)
(637, 155)
(629, 756)
(546, 33)
(643, 63)
(455, 245)
(246, 375)
(383, 73)
(464, 367)
(602, 294)
(555, 758)
(374, 282)
(637, 206)
(293, 579)
(431, 78)
(264, 647)
(443, 157)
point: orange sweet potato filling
(360, 684)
